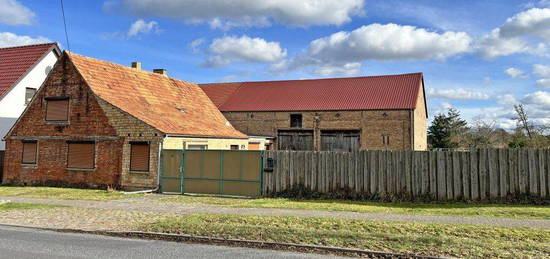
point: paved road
(22, 243)
(145, 204)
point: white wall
(13, 103)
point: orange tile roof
(169, 105)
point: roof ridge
(32, 45)
(128, 68)
(312, 79)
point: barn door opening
(340, 140)
(295, 139)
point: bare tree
(523, 120)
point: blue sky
(481, 57)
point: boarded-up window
(29, 152)
(295, 139)
(253, 146)
(139, 156)
(57, 109)
(340, 140)
(81, 155)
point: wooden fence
(441, 175)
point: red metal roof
(354, 93)
(15, 62)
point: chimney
(136, 65)
(161, 71)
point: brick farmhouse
(339, 114)
(101, 124)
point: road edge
(234, 242)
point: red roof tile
(15, 62)
(172, 106)
(354, 93)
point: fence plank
(441, 176)
(512, 171)
(474, 176)
(532, 171)
(503, 172)
(433, 172)
(523, 164)
(483, 174)
(493, 173)
(465, 171)
(542, 172)
(457, 179)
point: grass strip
(63, 193)
(447, 209)
(417, 238)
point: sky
(480, 57)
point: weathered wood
(465, 172)
(493, 174)
(542, 172)
(457, 179)
(503, 172)
(441, 176)
(532, 171)
(474, 176)
(483, 174)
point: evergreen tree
(445, 129)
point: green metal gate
(221, 172)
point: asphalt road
(18, 242)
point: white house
(23, 69)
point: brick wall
(373, 124)
(131, 129)
(87, 121)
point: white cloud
(8, 39)
(515, 72)
(194, 45)
(143, 27)
(539, 98)
(459, 93)
(507, 99)
(348, 69)
(543, 72)
(244, 48)
(512, 37)
(227, 14)
(379, 42)
(534, 22)
(14, 13)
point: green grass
(417, 238)
(63, 193)
(25, 206)
(454, 209)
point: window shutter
(57, 110)
(81, 155)
(29, 152)
(139, 157)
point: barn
(387, 112)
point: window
(234, 147)
(139, 156)
(385, 140)
(57, 109)
(81, 155)
(29, 93)
(29, 152)
(197, 147)
(295, 120)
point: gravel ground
(120, 210)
